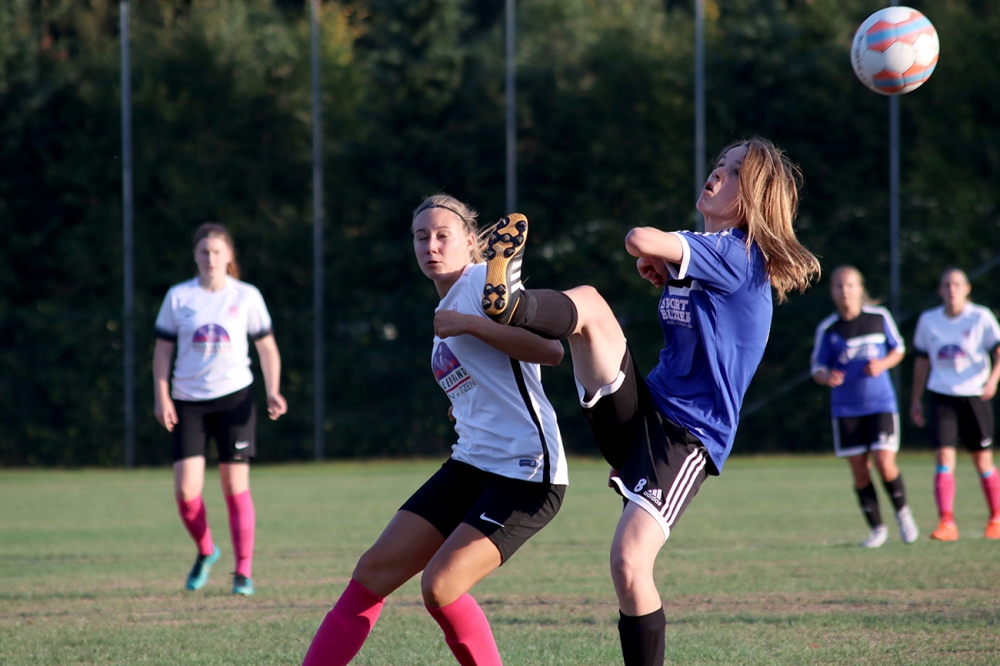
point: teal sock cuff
(943, 469)
(988, 473)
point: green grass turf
(764, 568)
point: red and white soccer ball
(895, 50)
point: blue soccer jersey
(848, 346)
(716, 316)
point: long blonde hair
(768, 202)
(466, 213)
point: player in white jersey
(664, 434)
(855, 347)
(955, 343)
(506, 476)
(209, 320)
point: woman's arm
(270, 366)
(830, 378)
(921, 369)
(650, 242)
(990, 389)
(163, 405)
(517, 343)
(877, 366)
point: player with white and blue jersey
(854, 349)
(507, 473)
(958, 362)
(210, 320)
(663, 435)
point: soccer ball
(895, 50)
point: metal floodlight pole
(894, 200)
(317, 148)
(699, 105)
(894, 204)
(511, 120)
(127, 249)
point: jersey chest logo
(953, 356)
(453, 378)
(675, 304)
(211, 339)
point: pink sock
(345, 628)
(991, 488)
(241, 527)
(194, 519)
(467, 632)
(944, 493)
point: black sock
(869, 504)
(643, 638)
(896, 491)
(549, 313)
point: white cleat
(908, 530)
(876, 537)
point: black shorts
(230, 420)
(507, 511)
(660, 464)
(965, 419)
(855, 435)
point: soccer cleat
(946, 530)
(908, 530)
(199, 572)
(876, 537)
(504, 253)
(992, 529)
(242, 585)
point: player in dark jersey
(209, 320)
(854, 349)
(664, 434)
(507, 473)
(958, 361)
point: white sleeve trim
(814, 364)
(685, 263)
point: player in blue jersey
(663, 435)
(854, 349)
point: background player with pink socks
(209, 320)
(954, 344)
(506, 476)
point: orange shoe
(946, 531)
(992, 529)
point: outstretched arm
(653, 243)
(518, 343)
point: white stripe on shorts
(693, 464)
(679, 490)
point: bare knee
(437, 590)
(371, 568)
(629, 571)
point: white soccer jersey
(211, 330)
(959, 349)
(504, 422)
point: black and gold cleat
(504, 252)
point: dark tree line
(414, 101)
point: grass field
(764, 568)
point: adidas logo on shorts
(654, 495)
